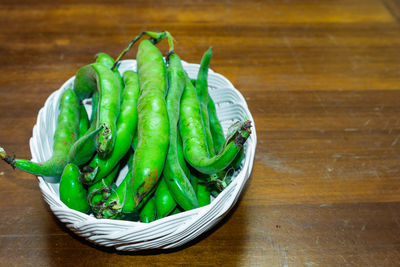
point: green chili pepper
(72, 192)
(218, 134)
(121, 200)
(148, 212)
(194, 145)
(202, 191)
(109, 62)
(215, 126)
(164, 200)
(83, 121)
(95, 106)
(202, 95)
(84, 87)
(238, 160)
(65, 135)
(84, 148)
(152, 126)
(181, 157)
(217, 131)
(151, 151)
(156, 37)
(218, 181)
(105, 59)
(126, 128)
(99, 76)
(100, 191)
(175, 177)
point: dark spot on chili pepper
(10, 160)
(107, 189)
(240, 140)
(89, 169)
(153, 40)
(106, 131)
(82, 178)
(169, 54)
(246, 125)
(138, 198)
(98, 148)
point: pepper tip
(2, 153)
(88, 174)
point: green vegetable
(109, 62)
(100, 191)
(202, 96)
(84, 148)
(164, 201)
(148, 212)
(215, 127)
(65, 136)
(151, 151)
(202, 191)
(99, 166)
(97, 76)
(121, 200)
(72, 192)
(194, 144)
(177, 181)
(95, 106)
(83, 121)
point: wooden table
(321, 79)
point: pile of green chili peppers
(158, 121)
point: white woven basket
(169, 232)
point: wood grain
(322, 80)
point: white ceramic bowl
(169, 232)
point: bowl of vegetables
(144, 153)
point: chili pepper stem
(240, 139)
(156, 37)
(6, 158)
(89, 174)
(2, 153)
(170, 40)
(105, 144)
(126, 50)
(110, 211)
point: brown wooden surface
(321, 79)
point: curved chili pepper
(65, 135)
